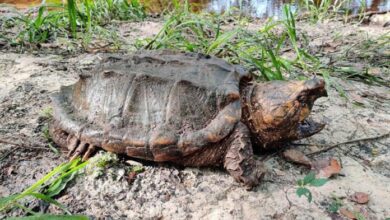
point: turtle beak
(316, 87)
(308, 127)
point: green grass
(51, 217)
(262, 51)
(258, 50)
(44, 189)
(72, 15)
(40, 28)
(187, 31)
(318, 11)
(358, 61)
(70, 20)
(102, 12)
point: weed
(326, 9)
(72, 14)
(258, 50)
(46, 135)
(100, 162)
(45, 189)
(47, 113)
(303, 57)
(358, 61)
(137, 169)
(44, 26)
(335, 205)
(309, 180)
(184, 30)
(71, 19)
(51, 217)
(359, 216)
(101, 12)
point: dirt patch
(168, 192)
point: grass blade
(72, 13)
(49, 200)
(52, 217)
(221, 40)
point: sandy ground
(168, 192)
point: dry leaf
(356, 97)
(376, 71)
(347, 213)
(279, 172)
(360, 197)
(330, 47)
(326, 168)
(296, 156)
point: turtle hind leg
(73, 144)
(239, 160)
(83, 150)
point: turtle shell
(155, 105)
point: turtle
(184, 108)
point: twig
(364, 14)
(349, 142)
(31, 145)
(8, 153)
(19, 145)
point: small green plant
(359, 216)
(41, 28)
(335, 205)
(137, 169)
(370, 54)
(46, 135)
(72, 15)
(70, 19)
(187, 31)
(330, 9)
(303, 58)
(101, 12)
(309, 180)
(51, 217)
(259, 50)
(317, 12)
(47, 112)
(100, 162)
(45, 189)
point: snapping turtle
(186, 108)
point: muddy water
(257, 8)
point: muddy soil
(167, 192)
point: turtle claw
(73, 142)
(77, 148)
(91, 149)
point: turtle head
(278, 111)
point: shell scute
(153, 105)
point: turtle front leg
(239, 160)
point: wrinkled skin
(185, 108)
(278, 111)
